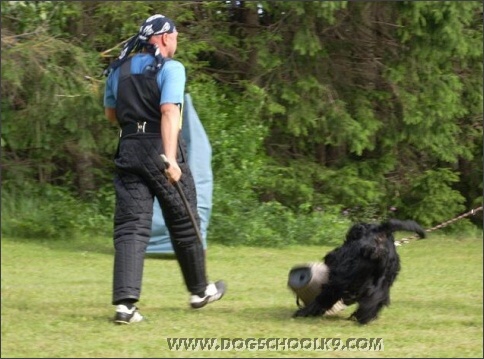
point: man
(144, 95)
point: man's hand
(170, 130)
(172, 170)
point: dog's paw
(311, 310)
(360, 318)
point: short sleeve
(110, 90)
(171, 80)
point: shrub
(51, 212)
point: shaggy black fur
(362, 270)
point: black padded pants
(139, 177)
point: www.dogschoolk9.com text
(275, 344)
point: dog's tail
(393, 225)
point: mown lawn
(56, 303)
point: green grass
(56, 303)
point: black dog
(362, 270)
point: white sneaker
(214, 291)
(127, 316)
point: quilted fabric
(138, 179)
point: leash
(185, 202)
(442, 225)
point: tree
(310, 106)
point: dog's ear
(355, 232)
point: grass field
(56, 303)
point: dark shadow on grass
(249, 315)
(281, 314)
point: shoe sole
(123, 322)
(206, 301)
(136, 318)
(200, 304)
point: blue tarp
(200, 163)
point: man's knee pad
(182, 230)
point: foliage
(313, 109)
(431, 196)
(52, 212)
(270, 224)
(54, 131)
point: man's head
(160, 31)
(157, 35)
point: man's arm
(170, 128)
(171, 80)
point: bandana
(154, 25)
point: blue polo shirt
(171, 80)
